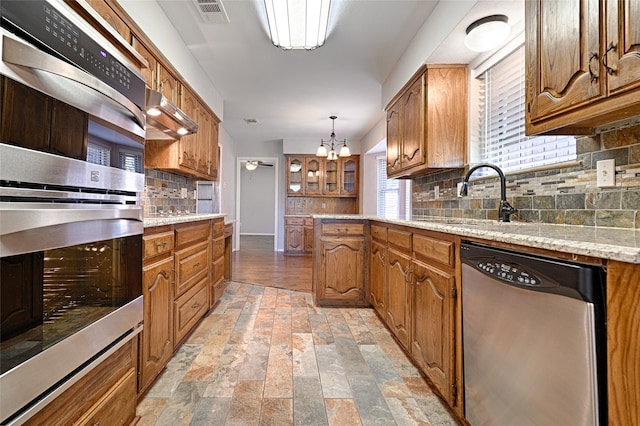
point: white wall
(257, 215)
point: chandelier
(331, 154)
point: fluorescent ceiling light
(487, 33)
(298, 24)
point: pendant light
(332, 154)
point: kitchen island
(388, 263)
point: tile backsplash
(566, 195)
(162, 193)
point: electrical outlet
(183, 192)
(606, 173)
(323, 205)
(459, 189)
(436, 192)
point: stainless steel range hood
(165, 120)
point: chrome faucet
(505, 210)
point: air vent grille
(212, 11)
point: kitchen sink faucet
(505, 210)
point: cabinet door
(349, 170)
(151, 72)
(294, 239)
(112, 19)
(341, 275)
(189, 143)
(157, 336)
(399, 296)
(205, 143)
(314, 176)
(378, 276)
(622, 50)
(26, 116)
(563, 56)
(214, 153)
(393, 139)
(168, 84)
(331, 178)
(295, 171)
(433, 331)
(413, 122)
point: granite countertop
(608, 243)
(170, 220)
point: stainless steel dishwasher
(533, 339)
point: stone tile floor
(267, 356)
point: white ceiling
(293, 93)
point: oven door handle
(18, 217)
(17, 53)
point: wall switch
(606, 173)
(323, 205)
(436, 192)
(459, 188)
(183, 192)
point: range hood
(165, 120)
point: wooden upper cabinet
(331, 178)
(167, 84)
(427, 122)
(412, 150)
(189, 143)
(111, 17)
(295, 171)
(150, 72)
(204, 147)
(349, 176)
(579, 74)
(314, 177)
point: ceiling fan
(253, 164)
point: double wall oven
(71, 178)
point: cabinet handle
(161, 245)
(610, 70)
(196, 265)
(195, 305)
(592, 56)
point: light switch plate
(459, 188)
(436, 192)
(183, 192)
(606, 173)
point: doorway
(257, 199)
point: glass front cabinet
(295, 173)
(308, 175)
(315, 176)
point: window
(131, 162)
(501, 129)
(98, 154)
(394, 195)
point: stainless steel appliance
(71, 175)
(533, 339)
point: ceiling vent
(251, 120)
(212, 11)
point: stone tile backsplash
(162, 193)
(562, 196)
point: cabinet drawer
(192, 264)
(157, 244)
(192, 232)
(118, 406)
(399, 239)
(218, 248)
(188, 309)
(228, 230)
(427, 248)
(294, 221)
(379, 232)
(218, 270)
(308, 221)
(217, 228)
(343, 229)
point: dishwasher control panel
(509, 273)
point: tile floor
(268, 356)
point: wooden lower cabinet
(106, 395)
(433, 325)
(339, 268)
(378, 276)
(398, 313)
(188, 309)
(157, 337)
(298, 235)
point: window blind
(98, 154)
(131, 162)
(394, 195)
(502, 124)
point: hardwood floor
(257, 263)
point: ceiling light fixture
(251, 165)
(332, 155)
(487, 33)
(298, 24)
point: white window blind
(394, 195)
(131, 162)
(98, 154)
(502, 124)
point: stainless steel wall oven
(71, 177)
